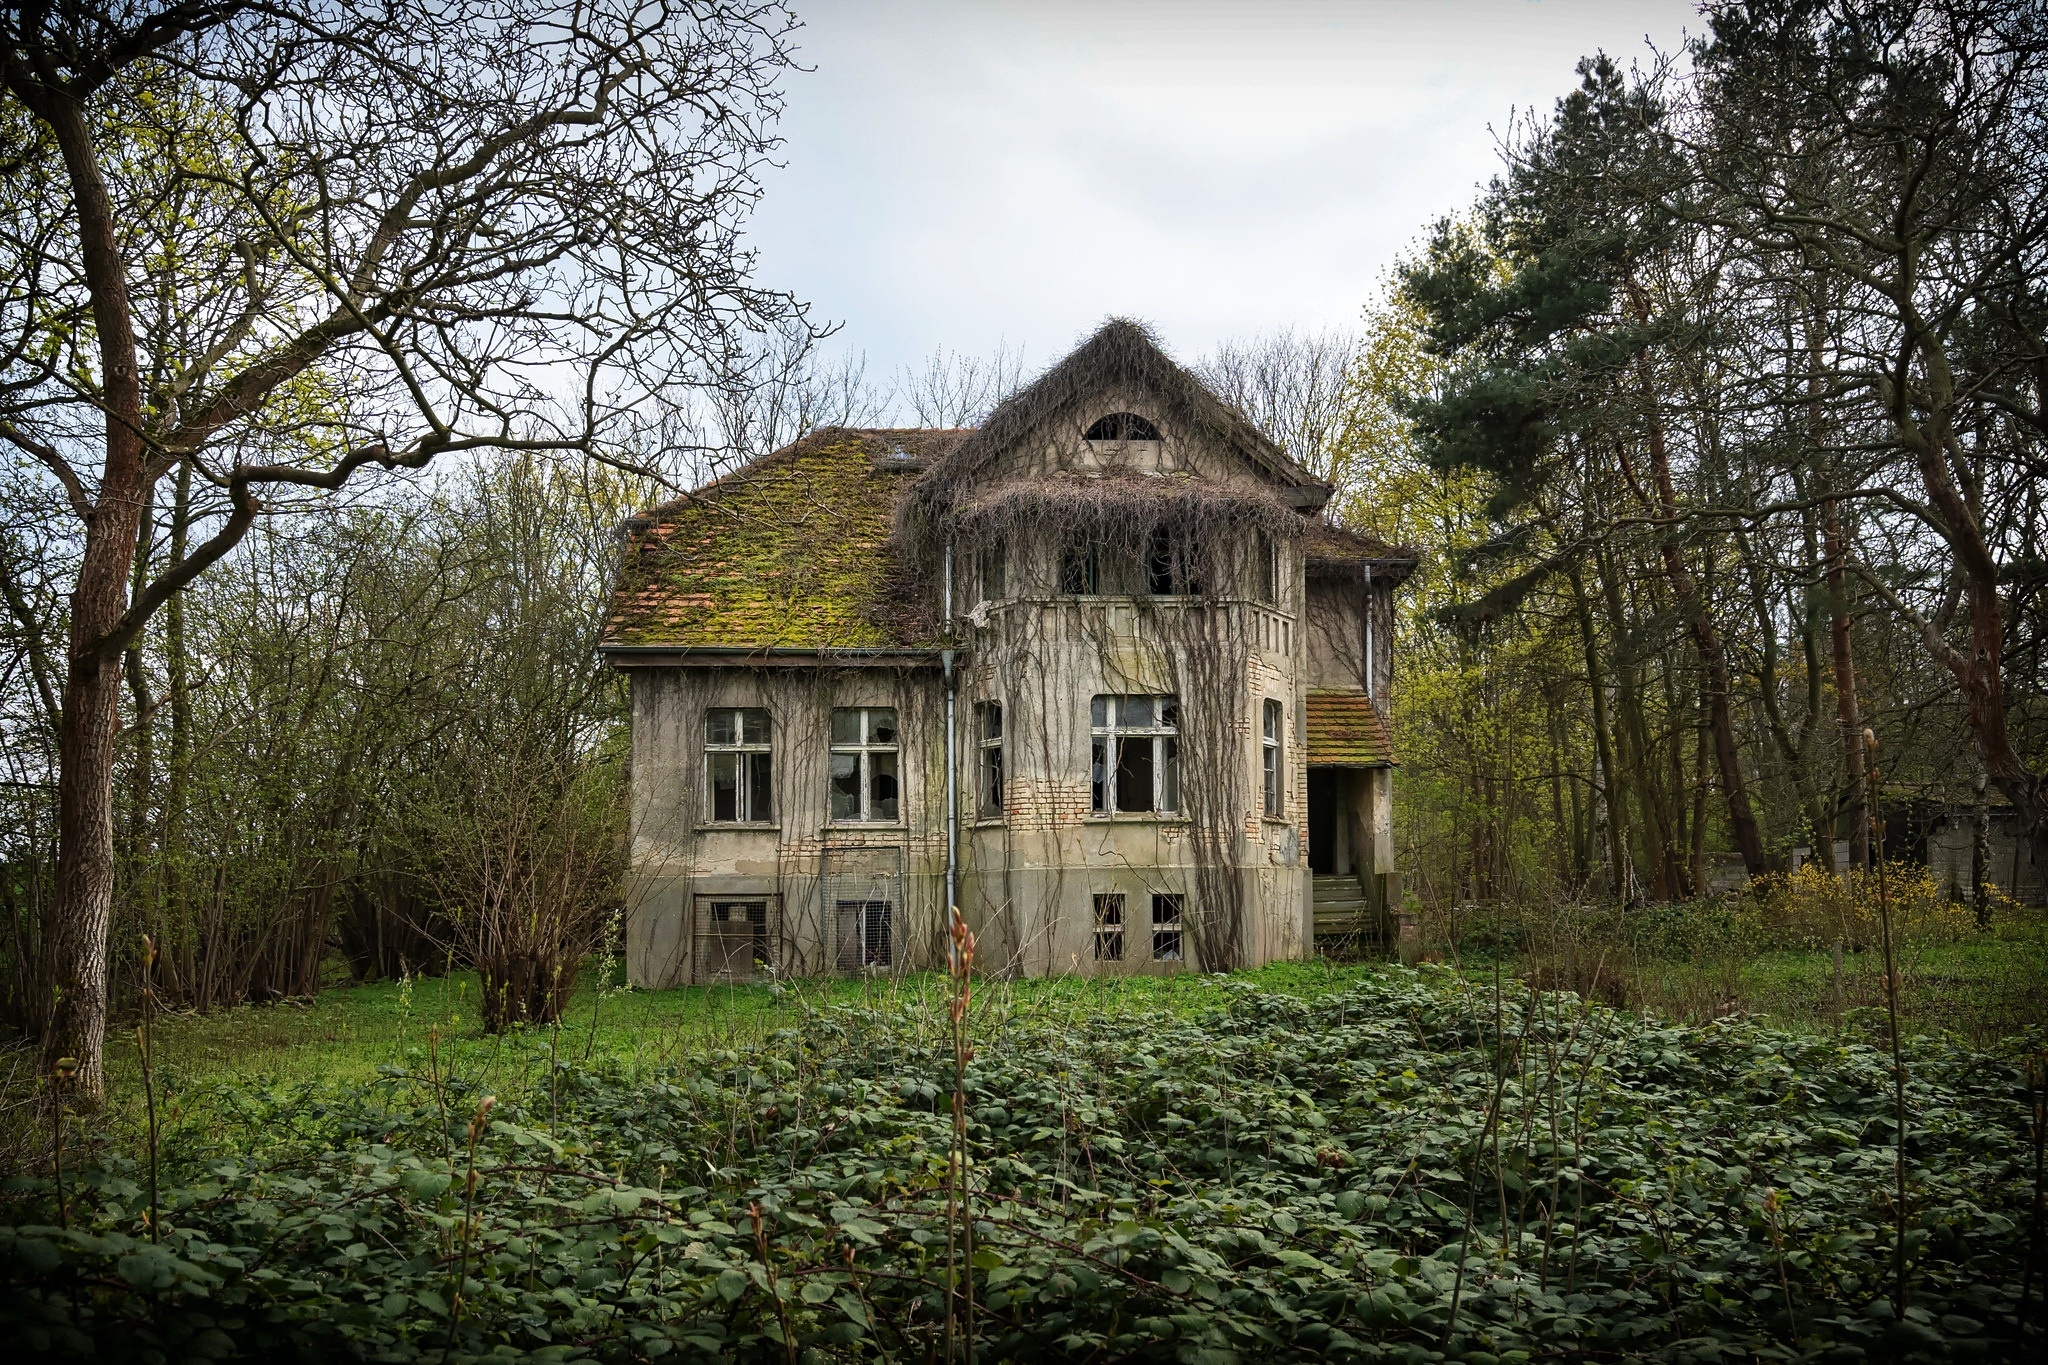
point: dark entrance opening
(1322, 821)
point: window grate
(737, 939)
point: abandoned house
(1099, 672)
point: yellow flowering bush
(1813, 908)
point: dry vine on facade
(1160, 672)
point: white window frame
(867, 755)
(1109, 920)
(989, 773)
(748, 755)
(1273, 756)
(1169, 930)
(1114, 721)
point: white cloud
(964, 173)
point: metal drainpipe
(952, 757)
(1371, 680)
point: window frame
(1269, 568)
(1080, 569)
(989, 772)
(1169, 567)
(1273, 757)
(753, 764)
(1109, 732)
(992, 568)
(864, 751)
(1109, 918)
(1169, 931)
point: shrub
(1385, 1172)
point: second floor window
(737, 756)
(1170, 563)
(1134, 755)
(994, 569)
(865, 757)
(990, 786)
(1275, 773)
(1080, 569)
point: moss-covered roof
(788, 552)
(1340, 550)
(1345, 731)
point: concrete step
(1346, 888)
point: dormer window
(1122, 426)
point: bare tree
(1296, 386)
(955, 390)
(282, 247)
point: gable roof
(787, 553)
(1345, 730)
(1123, 354)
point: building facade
(1100, 671)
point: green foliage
(1392, 1170)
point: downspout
(952, 757)
(1371, 679)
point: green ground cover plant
(1374, 1164)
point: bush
(1813, 908)
(1388, 1171)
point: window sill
(1127, 817)
(857, 826)
(1276, 820)
(990, 821)
(739, 827)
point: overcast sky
(963, 173)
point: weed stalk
(145, 1035)
(1891, 1005)
(469, 1183)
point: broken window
(1267, 567)
(1134, 758)
(1166, 928)
(736, 940)
(737, 757)
(863, 939)
(989, 717)
(866, 752)
(1109, 927)
(1122, 426)
(1275, 773)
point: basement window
(1109, 926)
(862, 935)
(866, 752)
(737, 764)
(1122, 426)
(1134, 755)
(1167, 945)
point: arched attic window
(1122, 426)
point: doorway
(1324, 799)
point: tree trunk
(74, 969)
(1707, 639)
(1620, 863)
(1848, 712)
